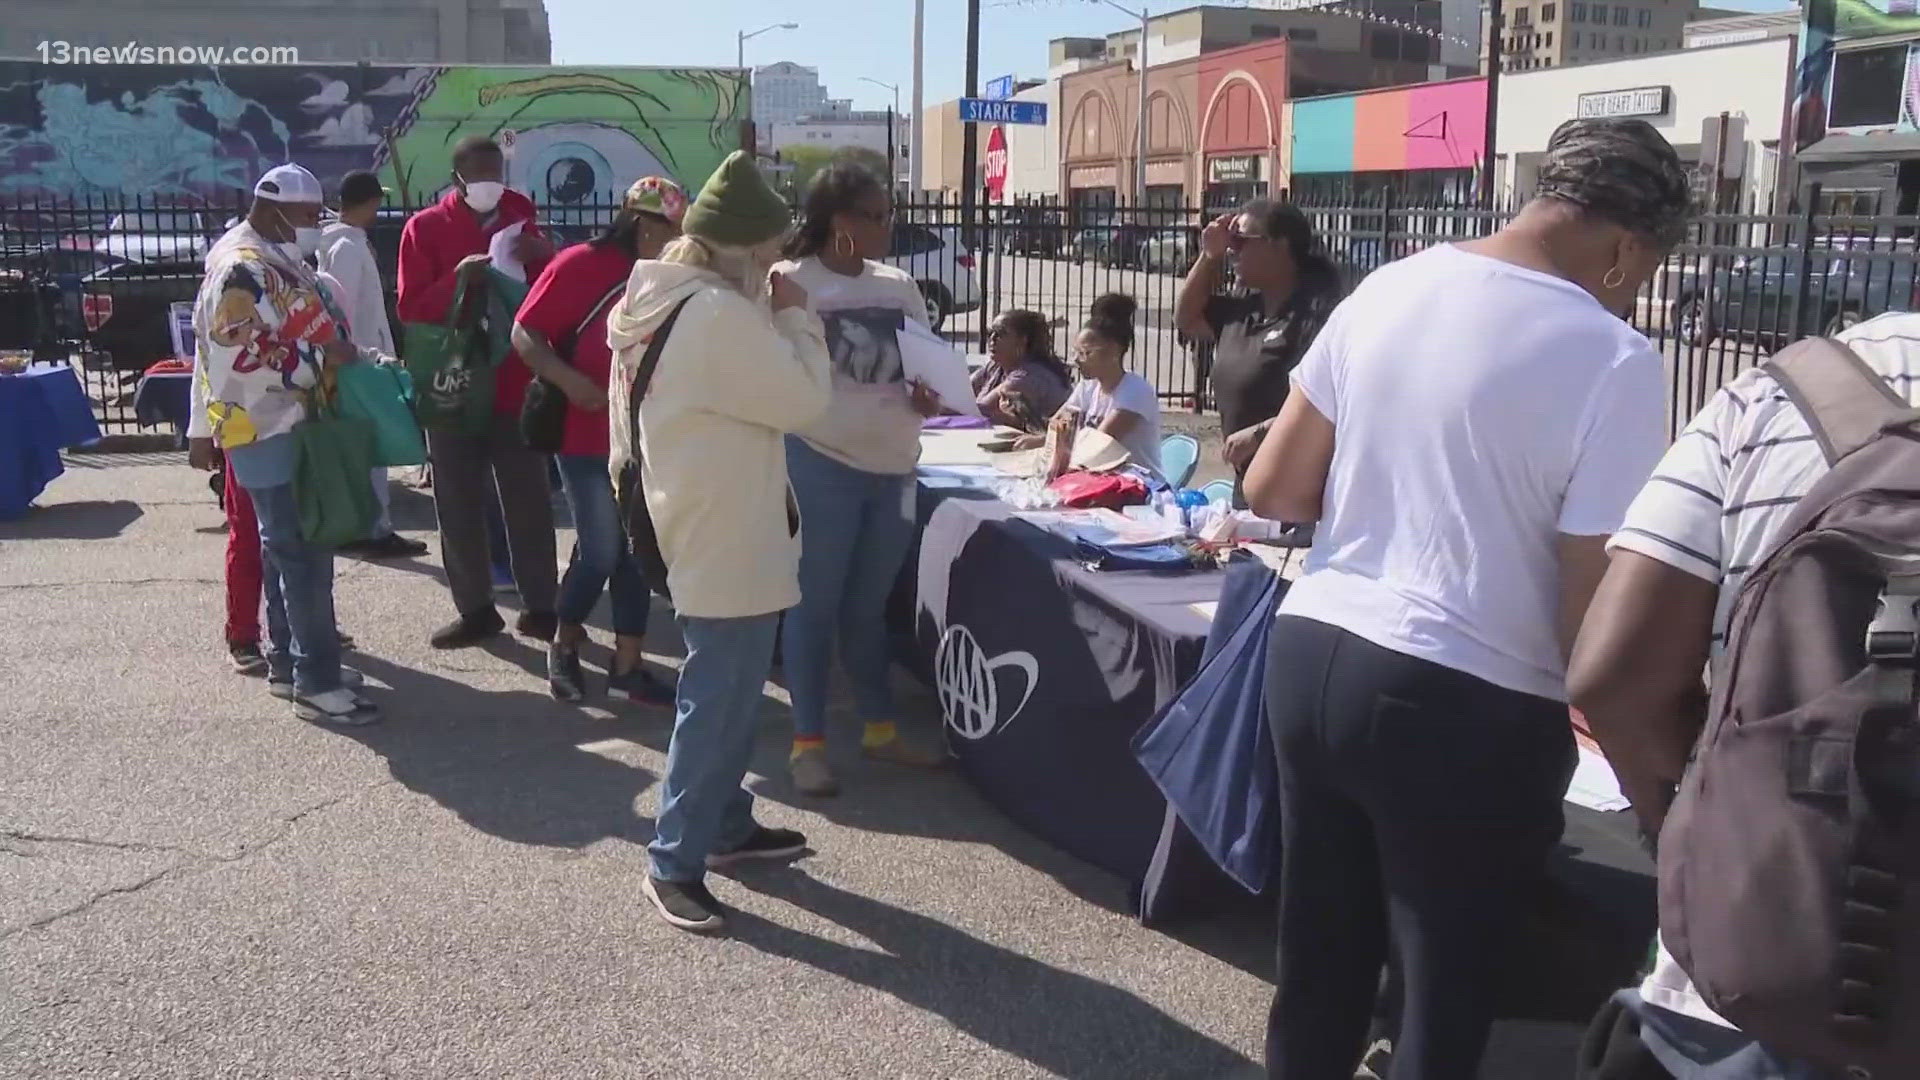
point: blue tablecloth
(41, 411)
(164, 398)
(1046, 669)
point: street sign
(982, 111)
(1000, 89)
(996, 162)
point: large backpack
(1790, 862)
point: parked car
(125, 308)
(941, 264)
(1169, 251)
(1032, 232)
(161, 235)
(1755, 296)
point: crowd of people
(1471, 432)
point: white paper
(1594, 786)
(500, 250)
(926, 357)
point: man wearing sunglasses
(1258, 336)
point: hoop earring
(847, 239)
(1613, 278)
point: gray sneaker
(565, 678)
(280, 683)
(341, 707)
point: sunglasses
(1237, 239)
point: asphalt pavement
(193, 884)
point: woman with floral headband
(560, 333)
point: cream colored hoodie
(733, 380)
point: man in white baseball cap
(264, 328)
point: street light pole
(741, 38)
(1140, 121)
(893, 170)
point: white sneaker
(282, 688)
(811, 773)
(342, 707)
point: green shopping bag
(451, 364)
(333, 459)
(382, 395)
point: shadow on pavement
(1066, 1024)
(508, 763)
(96, 520)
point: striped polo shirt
(1716, 500)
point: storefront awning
(1877, 146)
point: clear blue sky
(848, 39)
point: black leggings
(1418, 806)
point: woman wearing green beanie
(741, 364)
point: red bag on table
(1087, 490)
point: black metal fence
(94, 281)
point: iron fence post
(1806, 257)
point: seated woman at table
(1023, 383)
(852, 471)
(1108, 397)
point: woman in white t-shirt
(1467, 430)
(1109, 398)
(852, 471)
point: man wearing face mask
(264, 329)
(438, 245)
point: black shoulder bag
(642, 541)
(543, 415)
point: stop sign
(996, 162)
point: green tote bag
(451, 363)
(382, 395)
(332, 466)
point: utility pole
(914, 169)
(970, 133)
(1496, 20)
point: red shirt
(569, 290)
(433, 243)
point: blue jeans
(855, 530)
(298, 580)
(383, 498)
(600, 559)
(703, 808)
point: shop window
(1867, 86)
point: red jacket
(433, 243)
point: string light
(1318, 7)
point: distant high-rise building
(1556, 33)
(377, 31)
(785, 92)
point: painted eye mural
(577, 171)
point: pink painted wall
(1446, 124)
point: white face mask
(484, 195)
(305, 242)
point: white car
(941, 264)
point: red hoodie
(433, 243)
